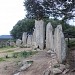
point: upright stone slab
(40, 33)
(24, 38)
(18, 42)
(49, 37)
(29, 41)
(59, 44)
(34, 39)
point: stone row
(55, 42)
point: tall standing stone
(40, 33)
(34, 39)
(59, 44)
(29, 41)
(49, 37)
(18, 42)
(24, 38)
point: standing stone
(49, 37)
(12, 43)
(59, 44)
(29, 41)
(24, 38)
(40, 33)
(18, 42)
(34, 39)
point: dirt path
(41, 63)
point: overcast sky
(10, 12)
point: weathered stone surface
(34, 39)
(18, 42)
(59, 44)
(24, 38)
(12, 43)
(17, 73)
(24, 67)
(49, 37)
(56, 71)
(29, 41)
(40, 33)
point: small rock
(24, 62)
(56, 71)
(62, 67)
(17, 73)
(50, 52)
(67, 66)
(54, 62)
(24, 67)
(48, 72)
(65, 71)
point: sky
(11, 11)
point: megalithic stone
(18, 42)
(24, 38)
(34, 39)
(59, 44)
(40, 33)
(29, 41)
(49, 37)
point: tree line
(45, 10)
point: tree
(39, 9)
(24, 25)
(34, 9)
(27, 25)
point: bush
(71, 43)
(1, 59)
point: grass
(71, 43)
(6, 48)
(2, 59)
(18, 55)
(24, 54)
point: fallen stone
(62, 67)
(65, 71)
(24, 67)
(17, 73)
(56, 71)
(48, 72)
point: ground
(40, 65)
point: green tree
(39, 9)
(24, 25)
(27, 25)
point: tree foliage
(27, 25)
(24, 25)
(38, 9)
